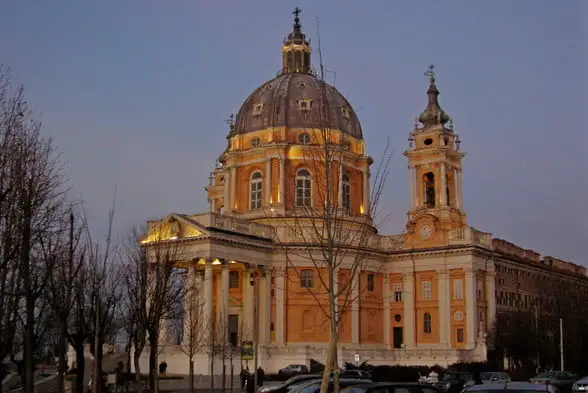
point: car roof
(382, 384)
(509, 386)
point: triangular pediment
(173, 227)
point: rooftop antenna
(320, 52)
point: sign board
(357, 357)
(247, 350)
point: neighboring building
(428, 295)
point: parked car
(392, 387)
(293, 369)
(580, 386)
(454, 381)
(290, 384)
(511, 387)
(563, 380)
(361, 374)
(314, 386)
(495, 376)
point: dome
(297, 100)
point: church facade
(426, 296)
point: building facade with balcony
(296, 150)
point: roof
(527, 386)
(277, 104)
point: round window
(428, 141)
(397, 318)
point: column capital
(470, 272)
(408, 276)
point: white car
(580, 386)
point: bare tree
(65, 261)
(330, 228)
(32, 198)
(195, 327)
(154, 287)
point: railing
(470, 236)
(234, 224)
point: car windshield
(547, 374)
(450, 377)
(295, 385)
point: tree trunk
(62, 366)
(98, 355)
(29, 328)
(153, 371)
(191, 376)
(136, 358)
(80, 365)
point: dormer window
(255, 142)
(304, 138)
(301, 84)
(305, 105)
(257, 108)
(346, 113)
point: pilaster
(490, 287)
(282, 179)
(443, 190)
(444, 309)
(409, 310)
(386, 314)
(280, 304)
(268, 181)
(355, 310)
(471, 309)
(265, 309)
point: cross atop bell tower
(434, 166)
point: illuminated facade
(427, 296)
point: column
(268, 181)
(355, 309)
(226, 192)
(340, 190)
(265, 301)
(233, 190)
(280, 303)
(223, 300)
(411, 187)
(207, 299)
(444, 309)
(470, 304)
(366, 191)
(192, 307)
(443, 190)
(282, 179)
(458, 196)
(248, 304)
(490, 296)
(408, 293)
(386, 294)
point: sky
(135, 94)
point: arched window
(255, 191)
(427, 323)
(303, 188)
(304, 138)
(346, 190)
(429, 190)
(306, 279)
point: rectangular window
(458, 289)
(233, 329)
(256, 195)
(397, 289)
(426, 288)
(480, 285)
(459, 335)
(233, 279)
(370, 282)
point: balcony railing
(470, 236)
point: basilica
(426, 296)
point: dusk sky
(136, 93)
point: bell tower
(296, 49)
(434, 167)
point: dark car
(314, 386)
(293, 369)
(562, 380)
(355, 374)
(511, 387)
(289, 384)
(393, 387)
(454, 381)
